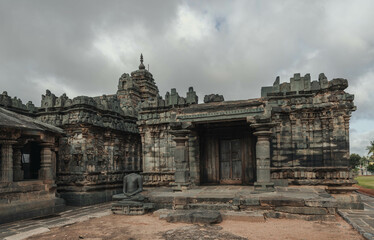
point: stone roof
(10, 119)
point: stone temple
(77, 151)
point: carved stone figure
(213, 98)
(132, 184)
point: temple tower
(144, 80)
(138, 87)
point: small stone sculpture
(213, 98)
(132, 184)
(132, 203)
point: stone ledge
(327, 217)
(25, 210)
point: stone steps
(207, 206)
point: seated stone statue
(131, 202)
(132, 184)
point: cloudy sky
(227, 47)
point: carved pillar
(17, 164)
(127, 153)
(194, 160)
(263, 133)
(45, 172)
(140, 157)
(142, 149)
(7, 160)
(346, 135)
(181, 158)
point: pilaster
(45, 172)
(263, 133)
(17, 163)
(7, 160)
(181, 158)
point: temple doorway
(227, 153)
(31, 160)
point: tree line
(356, 161)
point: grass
(365, 181)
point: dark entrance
(31, 160)
(227, 153)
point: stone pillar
(263, 133)
(140, 157)
(127, 153)
(142, 150)
(45, 172)
(181, 158)
(194, 160)
(17, 164)
(7, 161)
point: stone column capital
(47, 145)
(180, 136)
(263, 126)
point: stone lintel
(7, 142)
(47, 145)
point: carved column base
(264, 186)
(178, 187)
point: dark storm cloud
(227, 47)
(50, 43)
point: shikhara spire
(141, 66)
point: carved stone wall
(93, 159)
(130, 131)
(310, 143)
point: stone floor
(22, 229)
(362, 220)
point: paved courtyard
(22, 229)
(362, 220)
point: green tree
(371, 149)
(354, 160)
(370, 168)
(364, 161)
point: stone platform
(298, 202)
(28, 199)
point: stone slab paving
(361, 220)
(26, 228)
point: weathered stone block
(303, 210)
(295, 202)
(326, 203)
(205, 217)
